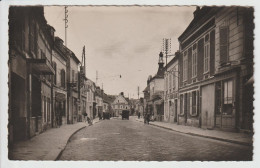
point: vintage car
(125, 114)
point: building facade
(216, 63)
(73, 95)
(59, 62)
(171, 88)
(120, 103)
(153, 94)
(31, 42)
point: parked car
(125, 114)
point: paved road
(115, 139)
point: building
(73, 85)
(171, 86)
(120, 103)
(59, 61)
(216, 63)
(91, 102)
(153, 94)
(99, 101)
(31, 42)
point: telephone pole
(66, 23)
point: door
(207, 106)
(175, 110)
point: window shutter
(223, 41)
(197, 102)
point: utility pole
(138, 91)
(166, 48)
(96, 77)
(66, 23)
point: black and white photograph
(146, 83)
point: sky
(122, 40)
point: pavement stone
(233, 137)
(47, 145)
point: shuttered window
(62, 75)
(185, 66)
(223, 42)
(206, 54)
(55, 76)
(194, 60)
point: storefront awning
(42, 66)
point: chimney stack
(196, 11)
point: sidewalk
(47, 145)
(233, 137)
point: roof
(146, 89)
(201, 16)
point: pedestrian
(148, 118)
(145, 118)
(139, 115)
(85, 117)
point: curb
(61, 151)
(204, 136)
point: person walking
(139, 115)
(148, 118)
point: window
(23, 34)
(194, 60)
(185, 66)
(48, 110)
(206, 54)
(31, 35)
(223, 42)
(170, 81)
(228, 97)
(173, 78)
(62, 76)
(73, 74)
(181, 104)
(193, 103)
(55, 76)
(44, 111)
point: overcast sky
(120, 40)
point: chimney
(58, 41)
(196, 11)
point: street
(128, 140)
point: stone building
(73, 85)
(216, 63)
(171, 86)
(120, 103)
(59, 62)
(31, 42)
(153, 94)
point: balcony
(41, 66)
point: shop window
(228, 97)
(193, 103)
(218, 98)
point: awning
(250, 81)
(60, 96)
(42, 66)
